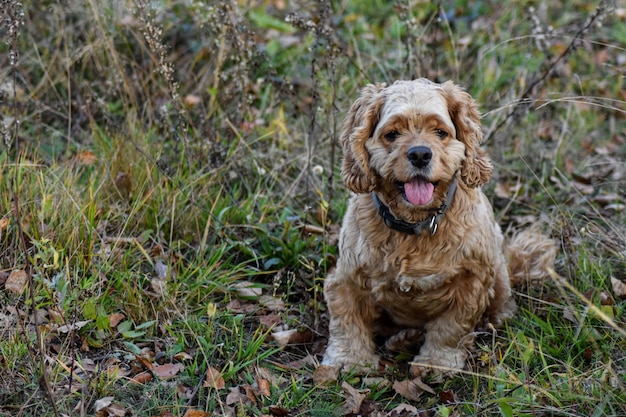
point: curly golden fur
(407, 142)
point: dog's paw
(445, 361)
(356, 365)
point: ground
(170, 200)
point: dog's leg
(352, 313)
(449, 335)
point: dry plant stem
(13, 14)
(525, 100)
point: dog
(421, 257)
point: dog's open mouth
(419, 191)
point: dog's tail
(530, 254)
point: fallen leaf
(73, 326)
(183, 356)
(325, 375)
(146, 362)
(195, 413)
(270, 320)
(4, 223)
(168, 370)
(16, 282)
(142, 377)
(185, 392)
(354, 398)
(250, 394)
(619, 288)
(214, 379)
(408, 389)
(447, 397)
(404, 410)
(272, 303)
(264, 387)
(115, 319)
(235, 396)
(103, 403)
(277, 411)
(247, 290)
(105, 407)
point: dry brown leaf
(408, 389)
(354, 398)
(214, 379)
(146, 362)
(235, 396)
(103, 403)
(142, 377)
(404, 409)
(272, 303)
(167, 370)
(264, 387)
(447, 397)
(4, 223)
(115, 319)
(105, 407)
(250, 393)
(325, 375)
(16, 282)
(270, 320)
(185, 391)
(73, 326)
(195, 413)
(277, 411)
(619, 288)
(247, 290)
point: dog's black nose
(419, 156)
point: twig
(523, 103)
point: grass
(175, 176)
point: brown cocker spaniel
(421, 257)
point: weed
(169, 167)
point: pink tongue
(418, 192)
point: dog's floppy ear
(477, 167)
(359, 126)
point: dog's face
(408, 140)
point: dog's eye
(391, 136)
(441, 133)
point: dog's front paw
(351, 364)
(445, 361)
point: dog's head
(406, 141)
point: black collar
(416, 228)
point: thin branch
(525, 100)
